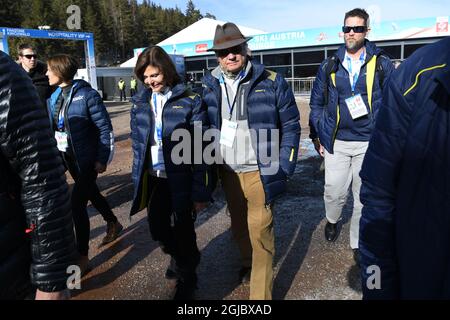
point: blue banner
(391, 30)
(55, 34)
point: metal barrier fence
(301, 86)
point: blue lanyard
(60, 123)
(158, 126)
(230, 107)
(222, 81)
(350, 68)
(155, 107)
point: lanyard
(222, 82)
(155, 107)
(355, 75)
(61, 115)
(230, 107)
(158, 124)
(61, 120)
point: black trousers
(123, 94)
(85, 189)
(178, 239)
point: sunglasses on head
(356, 29)
(227, 51)
(29, 56)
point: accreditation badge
(228, 133)
(61, 140)
(356, 106)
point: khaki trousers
(252, 228)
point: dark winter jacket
(405, 223)
(333, 120)
(188, 182)
(33, 192)
(88, 125)
(40, 81)
(271, 106)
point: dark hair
(360, 13)
(156, 57)
(24, 46)
(63, 65)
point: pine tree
(10, 13)
(192, 14)
(118, 25)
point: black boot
(331, 232)
(185, 288)
(171, 274)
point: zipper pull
(30, 229)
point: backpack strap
(380, 69)
(373, 66)
(330, 69)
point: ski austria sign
(391, 30)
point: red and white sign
(202, 47)
(442, 24)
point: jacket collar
(144, 95)
(256, 70)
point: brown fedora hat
(227, 36)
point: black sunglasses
(356, 29)
(29, 56)
(227, 51)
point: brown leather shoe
(112, 232)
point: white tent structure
(201, 30)
(129, 63)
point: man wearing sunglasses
(36, 70)
(246, 101)
(345, 100)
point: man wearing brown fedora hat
(256, 113)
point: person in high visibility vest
(133, 86)
(345, 100)
(121, 85)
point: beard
(354, 45)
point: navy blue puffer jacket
(327, 120)
(188, 182)
(271, 106)
(405, 223)
(88, 125)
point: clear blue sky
(285, 15)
